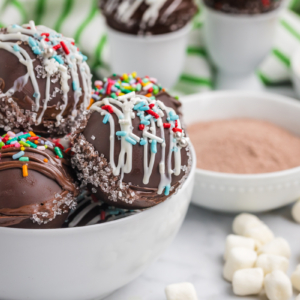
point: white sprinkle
(93, 137)
(152, 136)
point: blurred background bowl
(86, 263)
(235, 192)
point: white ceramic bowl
(88, 263)
(234, 192)
(295, 67)
(238, 43)
(161, 56)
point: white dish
(251, 193)
(238, 43)
(90, 262)
(150, 55)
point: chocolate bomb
(243, 6)
(144, 17)
(45, 82)
(37, 184)
(132, 151)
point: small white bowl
(238, 43)
(161, 56)
(233, 192)
(87, 263)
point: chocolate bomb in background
(132, 151)
(37, 183)
(91, 211)
(45, 82)
(243, 6)
(143, 17)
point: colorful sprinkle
(130, 140)
(18, 155)
(25, 170)
(58, 152)
(24, 158)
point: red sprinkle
(102, 215)
(45, 34)
(176, 123)
(151, 105)
(57, 144)
(265, 2)
(152, 113)
(57, 156)
(8, 146)
(73, 43)
(33, 138)
(56, 47)
(150, 90)
(108, 108)
(94, 198)
(167, 125)
(108, 89)
(177, 130)
(47, 40)
(68, 150)
(5, 139)
(141, 127)
(65, 48)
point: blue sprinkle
(175, 149)
(84, 58)
(121, 117)
(174, 118)
(167, 190)
(42, 142)
(49, 143)
(146, 107)
(20, 133)
(130, 140)
(143, 142)
(74, 85)
(32, 42)
(18, 155)
(114, 89)
(106, 118)
(139, 105)
(154, 146)
(36, 50)
(58, 59)
(96, 97)
(121, 133)
(145, 122)
(174, 141)
(141, 113)
(148, 117)
(15, 26)
(35, 95)
(16, 48)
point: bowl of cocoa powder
(248, 149)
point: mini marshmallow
(296, 211)
(295, 278)
(278, 286)
(238, 258)
(271, 262)
(278, 246)
(243, 221)
(259, 232)
(180, 291)
(248, 281)
(233, 240)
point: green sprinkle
(113, 95)
(176, 97)
(11, 140)
(24, 136)
(145, 80)
(138, 87)
(58, 152)
(24, 144)
(24, 158)
(1, 144)
(32, 144)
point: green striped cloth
(83, 21)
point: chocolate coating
(243, 6)
(40, 200)
(18, 109)
(172, 15)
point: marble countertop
(196, 256)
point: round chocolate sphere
(132, 151)
(146, 17)
(45, 82)
(37, 184)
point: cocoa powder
(244, 146)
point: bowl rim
(96, 227)
(285, 100)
